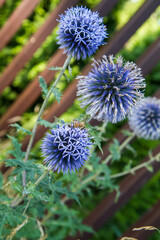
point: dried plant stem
(40, 114)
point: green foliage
(115, 150)
(56, 93)
(48, 197)
(19, 128)
(43, 86)
(16, 152)
(55, 68)
(1, 180)
(46, 123)
(94, 135)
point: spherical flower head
(145, 118)
(66, 148)
(81, 32)
(111, 89)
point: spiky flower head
(111, 89)
(66, 148)
(81, 32)
(145, 118)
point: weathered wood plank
(25, 8)
(28, 96)
(121, 37)
(150, 218)
(2, 2)
(33, 44)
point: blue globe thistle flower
(66, 148)
(145, 118)
(81, 32)
(111, 89)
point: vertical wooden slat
(25, 8)
(33, 44)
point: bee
(77, 124)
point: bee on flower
(66, 147)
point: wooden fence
(147, 61)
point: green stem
(132, 170)
(122, 146)
(40, 114)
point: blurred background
(28, 48)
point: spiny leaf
(149, 168)
(55, 68)
(70, 70)
(130, 148)
(1, 224)
(73, 196)
(146, 228)
(16, 152)
(92, 131)
(46, 123)
(115, 150)
(19, 128)
(66, 77)
(128, 166)
(127, 133)
(1, 180)
(56, 93)
(43, 86)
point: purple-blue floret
(66, 148)
(81, 32)
(111, 89)
(145, 118)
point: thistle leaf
(70, 70)
(19, 128)
(127, 133)
(115, 150)
(55, 68)
(66, 77)
(43, 86)
(56, 93)
(16, 152)
(149, 168)
(46, 123)
(1, 180)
